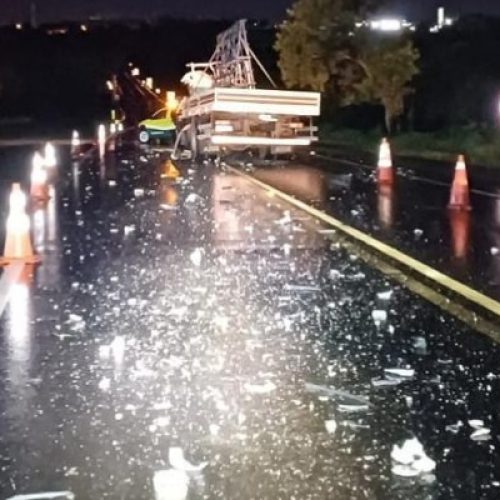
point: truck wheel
(144, 136)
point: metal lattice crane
(231, 62)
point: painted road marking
(10, 275)
(432, 275)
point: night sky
(52, 10)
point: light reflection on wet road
(196, 314)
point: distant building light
(136, 72)
(83, 27)
(149, 83)
(448, 21)
(440, 17)
(388, 24)
(19, 26)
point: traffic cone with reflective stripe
(75, 144)
(170, 171)
(18, 246)
(385, 174)
(459, 196)
(39, 189)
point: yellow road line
(429, 273)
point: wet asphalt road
(411, 215)
(202, 314)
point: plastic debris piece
(347, 397)
(353, 408)
(170, 484)
(128, 229)
(105, 384)
(482, 434)
(476, 423)
(196, 256)
(331, 426)
(264, 388)
(191, 198)
(385, 295)
(400, 373)
(424, 464)
(404, 470)
(178, 462)
(379, 315)
(454, 428)
(138, 192)
(48, 495)
(302, 288)
(383, 382)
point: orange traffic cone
(18, 246)
(460, 233)
(170, 171)
(385, 173)
(39, 190)
(459, 196)
(385, 202)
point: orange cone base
(459, 199)
(32, 259)
(385, 175)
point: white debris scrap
(410, 459)
(170, 484)
(178, 462)
(385, 295)
(105, 384)
(331, 426)
(264, 388)
(138, 192)
(399, 373)
(48, 495)
(379, 316)
(196, 256)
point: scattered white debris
(399, 373)
(178, 462)
(105, 384)
(331, 426)
(192, 198)
(104, 351)
(118, 348)
(196, 256)
(128, 229)
(170, 484)
(379, 316)
(352, 408)
(264, 388)
(286, 219)
(418, 232)
(138, 192)
(383, 382)
(420, 346)
(385, 295)
(412, 457)
(48, 495)
(454, 428)
(482, 434)
(476, 423)
(112, 183)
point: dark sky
(49, 10)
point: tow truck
(225, 112)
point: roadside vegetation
(481, 146)
(435, 94)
